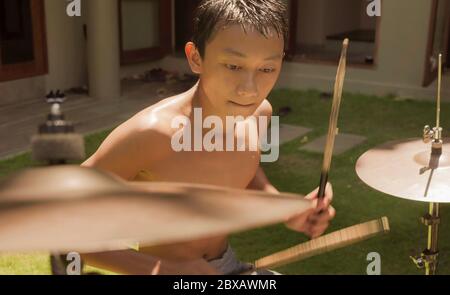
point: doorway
(145, 28)
(184, 25)
(318, 28)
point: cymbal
(58, 182)
(112, 215)
(406, 169)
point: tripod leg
(428, 259)
(432, 251)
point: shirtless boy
(237, 50)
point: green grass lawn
(380, 119)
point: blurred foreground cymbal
(58, 182)
(63, 209)
(406, 169)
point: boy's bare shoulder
(264, 109)
(153, 125)
(139, 141)
(158, 117)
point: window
(145, 30)
(22, 39)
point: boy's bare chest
(232, 169)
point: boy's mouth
(241, 104)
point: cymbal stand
(56, 144)
(428, 259)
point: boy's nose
(248, 88)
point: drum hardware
(404, 169)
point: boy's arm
(312, 222)
(130, 148)
(126, 151)
(260, 180)
(262, 183)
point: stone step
(289, 133)
(343, 143)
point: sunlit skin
(237, 73)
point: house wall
(18, 91)
(66, 46)
(140, 25)
(403, 36)
(400, 62)
(66, 51)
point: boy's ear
(193, 57)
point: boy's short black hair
(262, 15)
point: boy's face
(239, 69)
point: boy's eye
(232, 67)
(267, 70)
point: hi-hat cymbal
(111, 216)
(406, 169)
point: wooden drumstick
(332, 128)
(326, 243)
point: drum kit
(66, 208)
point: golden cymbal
(406, 169)
(58, 182)
(110, 215)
